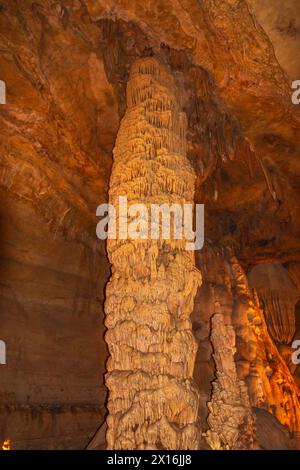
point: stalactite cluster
(278, 297)
(153, 402)
(270, 383)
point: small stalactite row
(153, 401)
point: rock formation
(250, 370)
(153, 402)
(270, 383)
(229, 422)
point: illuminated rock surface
(153, 401)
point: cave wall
(281, 21)
(57, 131)
(51, 302)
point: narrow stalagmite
(153, 402)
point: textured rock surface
(270, 383)
(270, 434)
(250, 370)
(152, 401)
(281, 21)
(252, 139)
(231, 423)
(228, 422)
(45, 426)
(278, 296)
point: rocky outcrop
(53, 173)
(227, 420)
(231, 423)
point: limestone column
(153, 402)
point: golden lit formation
(153, 401)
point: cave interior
(209, 84)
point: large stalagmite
(153, 402)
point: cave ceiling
(66, 66)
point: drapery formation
(278, 296)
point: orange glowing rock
(6, 445)
(153, 401)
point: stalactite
(153, 402)
(278, 296)
(267, 177)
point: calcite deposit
(251, 371)
(153, 401)
(278, 296)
